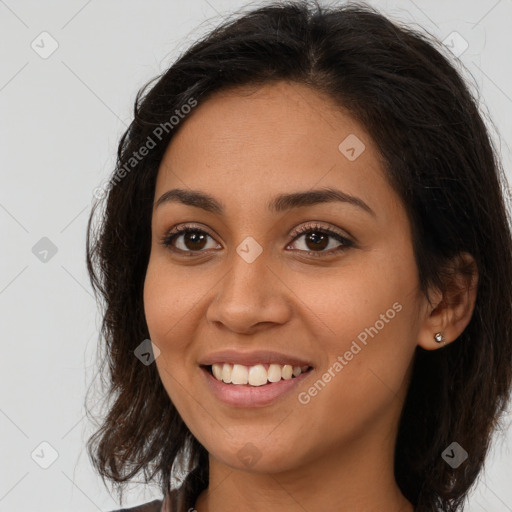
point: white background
(61, 118)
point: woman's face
(245, 279)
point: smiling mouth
(256, 375)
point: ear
(450, 310)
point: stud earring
(439, 338)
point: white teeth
(226, 373)
(274, 373)
(287, 371)
(239, 375)
(255, 375)
(217, 371)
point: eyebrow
(278, 204)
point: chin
(255, 456)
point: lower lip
(251, 396)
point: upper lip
(252, 358)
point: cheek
(172, 302)
(163, 308)
(373, 289)
(368, 318)
(366, 364)
(168, 298)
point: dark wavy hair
(438, 156)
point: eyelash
(169, 238)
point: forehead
(250, 143)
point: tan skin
(335, 453)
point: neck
(359, 477)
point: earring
(439, 338)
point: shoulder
(178, 500)
(152, 506)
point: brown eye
(187, 239)
(318, 238)
(317, 241)
(194, 240)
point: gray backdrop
(68, 78)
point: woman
(306, 220)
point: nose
(249, 297)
